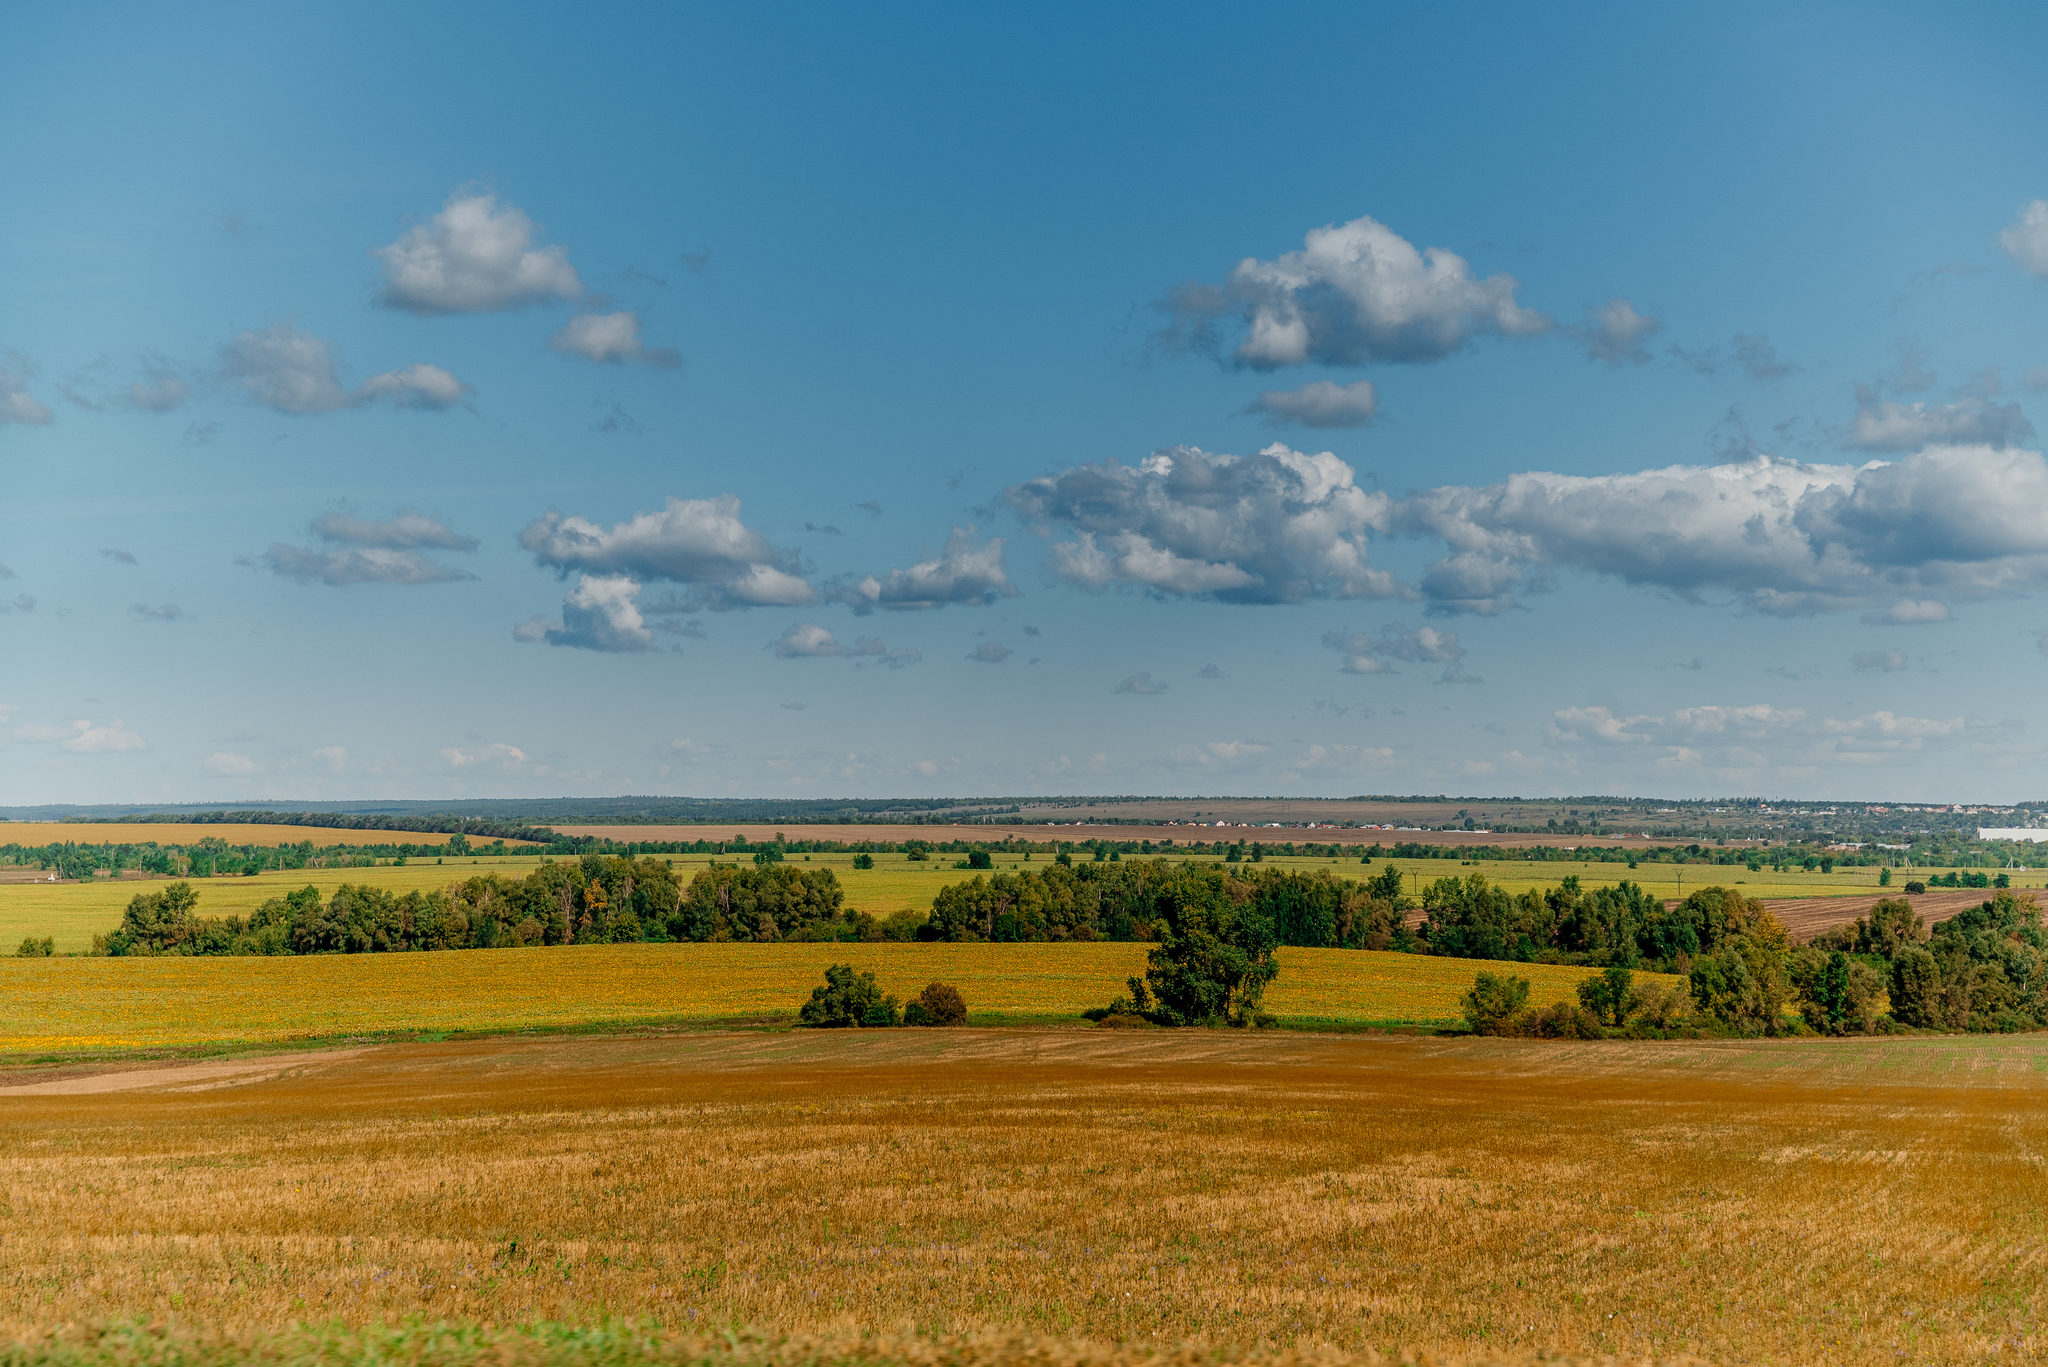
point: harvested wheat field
(1850, 1201)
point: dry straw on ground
(1873, 1200)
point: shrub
(1563, 1020)
(1915, 886)
(32, 948)
(863, 861)
(980, 859)
(938, 1004)
(1494, 1003)
(847, 999)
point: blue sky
(484, 401)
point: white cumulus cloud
(809, 641)
(88, 739)
(291, 371)
(475, 256)
(233, 765)
(1785, 537)
(600, 614)
(2026, 240)
(965, 571)
(1321, 403)
(1615, 333)
(362, 551)
(1365, 653)
(1355, 293)
(699, 543)
(17, 405)
(1883, 424)
(613, 337)
(1278, 527)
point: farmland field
(186, 833)
(73, 913)
(118, 1003)
(1856, 1201)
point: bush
(1915, 886)
(938, 1004)
(1607, 996)
(847, 999)
(1494, 1003)
(32, 948)
(863, 861)
(980, 859)
(1563, 1020)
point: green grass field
(123, 1003)
(72, 914)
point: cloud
(1753, 736)
(497, 755)
(368, 565)
(1886, 425)
(118, 557)
(1355, 293)
(812, 642)
(295, 372)
(475, 256)
(6, 573)
(113, 738)
(21, 602)
(233, 765)
(1750, 353)
(408, 529)
(1908, 612)
(1278, 527)
(1220, 754)
(1614, 332)
(989, 653)
(1786, 537)
(386, 552)
(876, 508)
(793, 706)
(1143, 684)
(1367, 654)
(600, 614)
(699, 543)
(162, 612)
(964, 572)
(612, 337)
(427, 388)
(2026, 241)
(1210, 671)
(17, 405)
(1321, 403)
(161, 387)
(1879, 661)
(333, 756)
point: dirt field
(1807, 917)
(1829, 1201)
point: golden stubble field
(72, 913)
(1825, 1201)
(88, 1003)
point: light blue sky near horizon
(915, 255)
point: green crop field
(72, 914)
(112, 1003)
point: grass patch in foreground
(129, 1003)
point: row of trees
(595, 899)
